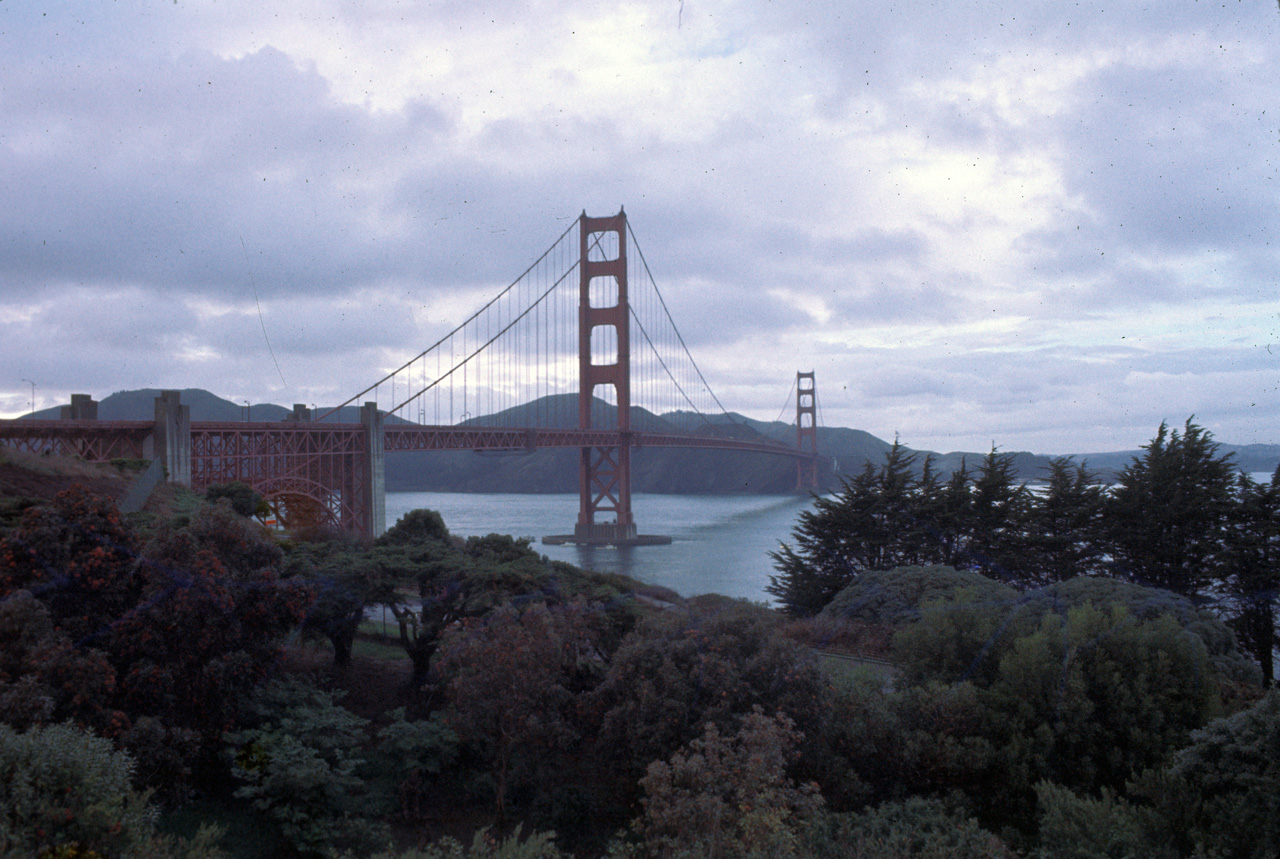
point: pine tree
(872, 524)
(999, 514)
(1063, 531)
(1167, 518)
(1253, 576)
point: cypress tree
(1167, 518)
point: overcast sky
(1047, 225)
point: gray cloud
(1037, 224)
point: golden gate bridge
(580, 351)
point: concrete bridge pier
(83, 408)
(375, 482)
(172, 437)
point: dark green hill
(139, 405)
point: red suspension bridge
(578, 352)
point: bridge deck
(102, 440)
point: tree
(1085, 683)
(457, 579)
(409, 753)
(243, 498)
(1167, 517)
(208, 623)
(1220, 794)
(895, 597)
(539, 845)
(879, 745)
(1075, 826)
(998, 514)
(677, 671)
(44, 678)
(79, 558)
(1064, 530)
(872, 524)
(159, 649)
(728, 796)
(244, 548)
(1253, 569)
(948, 508)
(454, 580)
(298, 757)
(66, 792)
(346, 581)
(916, 827)
(512, 677)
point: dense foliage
(152, 646)
(65, 792)
(1179, 517)
(1043, 697)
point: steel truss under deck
(310, 473)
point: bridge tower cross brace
(604, 473)
(806, 431)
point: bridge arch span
(300, 503)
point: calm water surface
(720, 544)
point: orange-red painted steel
(94, 441)
(326, 464)
(604, 471)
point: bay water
(719, 544)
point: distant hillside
(1252, 458)
(139, 405)
(661, 470)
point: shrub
(60, 785)
(1220, 795)
(539, 845)
(895, 596)
(677, 671)
(920, 828)
(727, 796)
(243, 498)
(408, 754)
(1085, 827)
(298, 760)
(67, 793)
(512, 678)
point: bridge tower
(806, 432)
(604, 358)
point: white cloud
(1041, 225)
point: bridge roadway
(333, 470)
(101, 441)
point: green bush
(920, 828)
(1220, 795)
(895, 596)
(1085, 683)
(677, 671)
(409, 753)
(299, 761)
(727, 796)
(1086, 827)
(67, 793)
(539, 845)
(60, 785)
(243, 498)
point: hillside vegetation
(185, 683)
